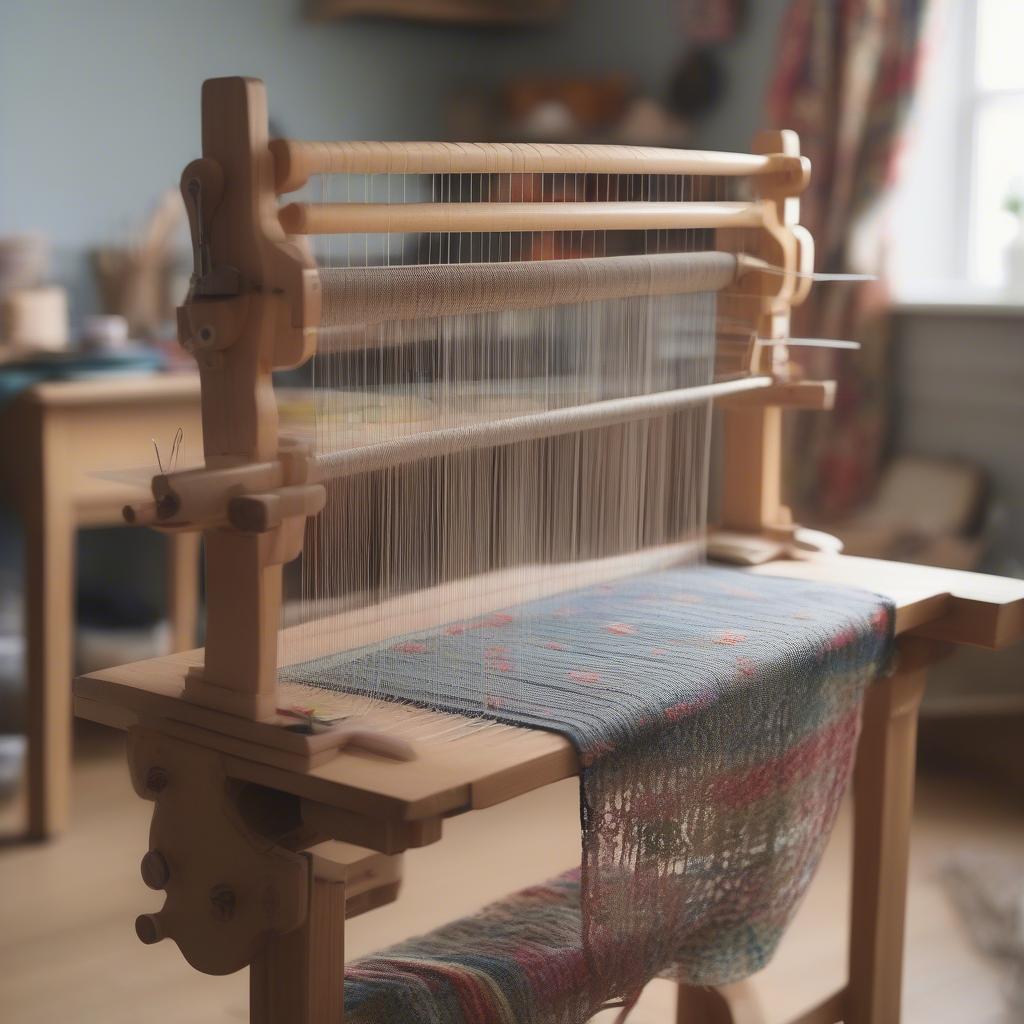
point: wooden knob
(155, 871)
(156, 779)
(143, 514)
(149, 928)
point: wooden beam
(300, 976)
(883, 805)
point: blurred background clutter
(912, 113)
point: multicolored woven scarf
(715, 713)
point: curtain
(844, 77)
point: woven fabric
(715, 714)
(518, 960)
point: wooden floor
(68, 952)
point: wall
(959, 378)
(748, 62)
(99, 98)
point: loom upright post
(252, 308)
(752, 436)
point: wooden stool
(68, 432)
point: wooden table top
(102, 391)
(90, 441)
(485, 766)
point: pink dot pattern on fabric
(620, 629)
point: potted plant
(1014, 204)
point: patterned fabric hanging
(844, 79)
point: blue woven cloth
(715, 713)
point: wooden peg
(149, 929)
(155, 870)
(258, 513)
(143, 514)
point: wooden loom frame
(247, 806)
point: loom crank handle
(201, 263)
(216, 307)
(202, 186)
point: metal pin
(176, 444)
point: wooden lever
(258, 513)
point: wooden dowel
(530, 427)
(258, 513)
(371, 295)
(145, 513)
(202, 495)
(295, 161)
(397, 218)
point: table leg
(49, 629)
(300, 977)
(725, 1004)
(883, 805)
(182, 588)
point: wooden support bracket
(239, 889)
(228, 888)
(386, 835)
(253, 517)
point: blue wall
(99, 98)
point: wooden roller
(296, 161)
(395, 218)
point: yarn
(715, 714)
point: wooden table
(388, 805)
(54, 439)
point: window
(997, 114)
(950, 225)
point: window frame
(974, 99)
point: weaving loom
(501, 504)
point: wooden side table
(54, 439)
